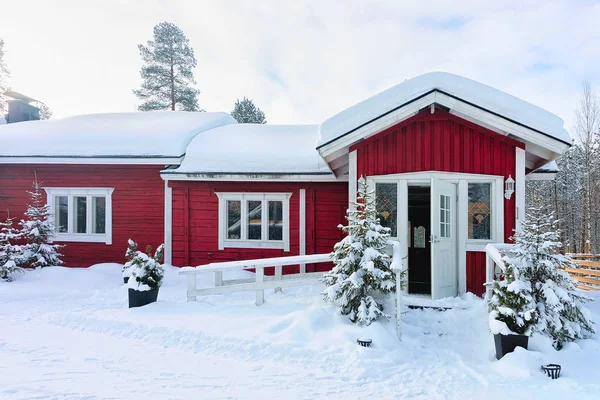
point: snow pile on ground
(465, 89)
(67, 333)
(133, 134)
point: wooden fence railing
(587, 273)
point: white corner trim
(352, 176)
(463, 233)
(168, 225)
(52, 192)
(243, 197)
(519, 187)
(302, 227)
(402, 222)
(498, 207)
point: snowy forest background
(575, 193)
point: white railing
(493, 258)
(278, 281)
(260, 281)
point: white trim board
(254, 177)
(302, 227)
(93, 160)
(168, 224)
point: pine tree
(38, 229)
(361, 267)
(245, 112)
(512, 303)
(45, 111)
(11, 255)
(4, 74)
(560, 307)
(167, 76)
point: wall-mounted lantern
(509, 187)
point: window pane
(61, 208)
(386, 200)
(275, 220)
(445, 216)
(254, 219)
(99, 215)
(234, 219)
(480, 211)
(80, 217)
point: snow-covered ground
(67, 333)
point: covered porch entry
(438, 217)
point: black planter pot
(138, 298)
(125, 279)
(507, 343)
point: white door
(443, 239)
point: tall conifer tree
(4, 74)
(167, 77)
(246, 112)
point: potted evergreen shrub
(131, 249)
(513, 312)
(561, 312)
(146, 275)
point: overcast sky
(302, 61)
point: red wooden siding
(195, 220)
(440, 142)
(476, 272)
(137, 203)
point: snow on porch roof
(254, 148)
(133, 134)
(478, 94)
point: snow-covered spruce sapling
(129, 254)
(512, 310)
(562, 315)
(361, 267)
(38, 230)
(11, 255)
(146, 271)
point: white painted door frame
(462, 180)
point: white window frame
(495, 237)
(70, 236)
(243, 197)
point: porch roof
(459, 88)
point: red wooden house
(447, 157)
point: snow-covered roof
(134, 134)
(551, 167)
(467, 90)
(254, 148)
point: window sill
(250, 244)
(477, 244)
(84, 238)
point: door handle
(433, 239)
